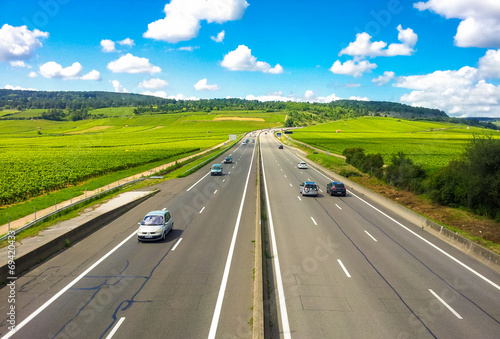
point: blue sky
(441, 54)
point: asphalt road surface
(345, 268)
(196, 284)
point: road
(196, 284)
(341, 267)
(344, 268)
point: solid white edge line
(279, 282)
(112, 333)
(67, 287)
(202, 209)
(445, 304)
(176, 244)
(421, 238)
(196, 183)
(343, 267)
(371, 236)
(225, 276)
(314, 221)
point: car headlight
(158, 231)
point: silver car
(155, 226)
(309, 188)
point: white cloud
(364, 47)
(241, 59)
(203, 86)
(108, 46)
(160, 94)
(462, 92)
(480, 99)
(358, 98)
(126, 42)
(118, 87)
(92, 75)
(351, 67)
(480, 25)
(132, 64)
(309, 96)
(188, 48)
(385, 78)
(19, 43)
(220, 37)
(182, 18)
(269, 97)
(464, 77)
(489, 64)
(32, 75)
(153, 83)
(18, 64)
(19, 88)
(53, 70)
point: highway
(344, 268)
(198, 283)
(339, 267)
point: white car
(155, 226)
(302, 165)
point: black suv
(228, 160)
(280, 147)
(335, 188)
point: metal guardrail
(36, 221)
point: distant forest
(65, 105)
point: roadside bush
(368, 163)
(473, 181)
(403, 173)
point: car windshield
(151, 220)
(310, 186)
(339, 185)
(216, 167)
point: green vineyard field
(431, 144)
(38, 156)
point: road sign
(278, 135)
(288, 132)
